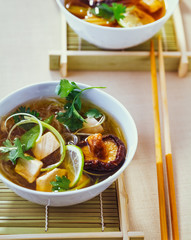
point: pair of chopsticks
(158, 147)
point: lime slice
(74, 163)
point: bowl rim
(95, 26)
(92, 187)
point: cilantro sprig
(61, 184)
(114, 12)
(71, 117)
(13, 151)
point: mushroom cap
(111, 163)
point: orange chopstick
(167, 141)
(158, 148)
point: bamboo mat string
(46, 215)
(101, 212)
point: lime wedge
(74, 163)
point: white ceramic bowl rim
(168, 13)
(113, 176)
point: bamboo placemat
(21, 216)
(21, 219)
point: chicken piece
(28, 169)
(90, 126)
(43, 182)
(47, 145)
(151, 5)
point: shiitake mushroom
(102, 153)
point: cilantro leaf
(103, 10)
(14, 150)
(77, 103)
(69, 120)
(65, 88)
(118, 10)
(61, 184)
(114, 12)
(73, 123)
(93, 113)
(72, 95)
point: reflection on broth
(121, 13)
(80, 143)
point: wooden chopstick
(167, 141)
(158, 148)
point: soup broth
(121, 13)
(51, 107)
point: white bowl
(101, 99)
(116, 38)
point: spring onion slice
(102, 119)
(28, 118)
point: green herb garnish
(114, 12)
(93, 113)
(72, 117)
(14, 150)
(61, 184)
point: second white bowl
(116, 38)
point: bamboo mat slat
(19, 216)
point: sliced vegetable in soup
(121, 13)
(60, 144)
